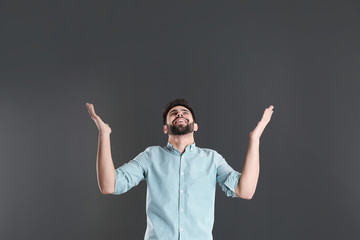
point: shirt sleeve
(227, 177)
(130, 174)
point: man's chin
(180, 132)
(180, 129)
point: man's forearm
(250, 173)
(104, 165)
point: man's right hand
(104, 128)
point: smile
(180, 120)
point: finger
(267, 113)
(270, 108)
(265, 116)
(88, 105)
(88, 108)
(91, 110)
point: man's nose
(179, 114)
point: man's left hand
(256, 133)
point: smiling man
(181, 177)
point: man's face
(179, 121)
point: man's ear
(165, 129)
(196, 127)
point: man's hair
(174, 103)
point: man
(181, 177)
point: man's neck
(180, 142)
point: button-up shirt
(180, 196)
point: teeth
(181, 120)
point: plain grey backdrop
(230, 59)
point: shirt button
(182, 157)
(181, 191)
(182, 173)
(181, 210)
(181, 229)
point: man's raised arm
(250, 173)
(104, 163)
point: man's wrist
(104, 134)
(255, 140)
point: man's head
(179, 118)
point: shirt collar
(188, 148)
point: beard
(181, 129)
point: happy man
(181, 177)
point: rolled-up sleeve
(130, 174)
(227, 177)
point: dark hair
(174, 103)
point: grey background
(230, 59)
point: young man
(181, 177)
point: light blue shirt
(180, 197)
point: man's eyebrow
(175, 110)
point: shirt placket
(181, 196)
